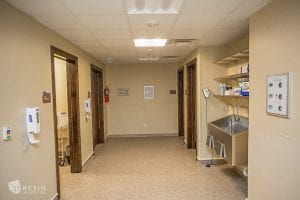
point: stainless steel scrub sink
(231, 133)
(231, 124)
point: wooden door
(73, 111)
(191, 105)
(180, 90)
(97, 105)
(74, 117)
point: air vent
(182, 42)
(169, 57)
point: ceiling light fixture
(151, 58)
(153, 6)
(150, 42)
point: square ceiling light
(150, 42)
(135, 7)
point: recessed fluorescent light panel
(153, 58)
(142, 7)
(150, 42)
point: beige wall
(274, 143)
(215, 107)
(206, 71)
(61, 85)
(134, 115)
(25, 72)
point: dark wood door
(74, 121)
(180, 90)
(97, 105)
(191, 105)
(73, 111)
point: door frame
(191, 113)
(73, 112)
(100, 112)
(180, 73)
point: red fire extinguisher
(106, 94)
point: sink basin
(230, 136)
(230, 126)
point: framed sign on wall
(149, 92)
(278, 94)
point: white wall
(134, 115)
(274, 143)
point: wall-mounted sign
(46, 97)
(172, 91)
(123, 91)
(148, 92)
(278, 95)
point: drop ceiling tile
(236, 21)
(105, 21)
(76, 34)
(98, 52)
(177, 51)
(199, 21)
(87, 43)
(121, 49)
(208, 6)
(168, 61)
(251, 6)
(151, 54)
(40, 7)
(140, 21)
(94, 7)
(155, 50)
(227, 32)
(117, 43)
(188, 33)
(124, 54)
(59, 21)
(223, 36)
(112, 34)
(157, 33)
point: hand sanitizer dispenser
(33, 123)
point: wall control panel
(6, 133)
(278, 94)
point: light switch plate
(6, 133)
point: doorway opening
(65, 88)
(191, 105)
(180, 89)
(97, 105)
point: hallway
(156, 168)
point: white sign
(278, 94)
(123, 91)
(148, 92)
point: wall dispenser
(32, 123)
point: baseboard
(88, 158)
(55, 197)
(143, 135)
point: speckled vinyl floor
(155, 168)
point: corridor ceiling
(106, 28)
